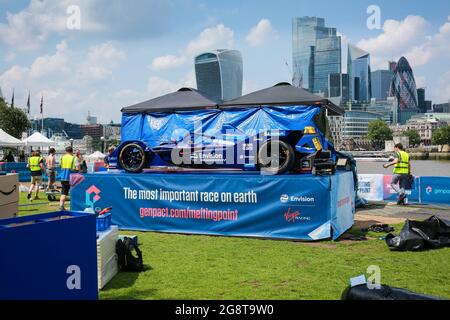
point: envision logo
(286, 198)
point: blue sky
(129, 51)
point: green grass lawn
(204, 267)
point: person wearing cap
(402, 170)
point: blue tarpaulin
(302, 207)
(155, 128)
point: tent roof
(282, 94)
(37, 139)
(7, 140)
(96, 154)
(183, 99)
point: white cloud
(397, 38)
(217, 37)
(167, 62)
(262, 33)
(66, 80)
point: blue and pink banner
(302, 207)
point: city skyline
(105, 65)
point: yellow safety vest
(33, 162)
(402, 166)
(68, 162)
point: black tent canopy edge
(186, 99)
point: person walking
(36, 166)
(68, 166)
(402, 171)
(50, 168)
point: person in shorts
(50, 168)
(68, 166)
(36, 166)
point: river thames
(418, 167)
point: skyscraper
(316, 52)
(421, 100)
(338, 88)
(381, 84)
(219, 74)
(358, 69)
(403, 85)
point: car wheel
(132, 158)
(276, 157)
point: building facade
(381, 84)
(316, 52)
(403, 86)
(93, 130)
(423, 126)
(336, 128)
(338, 88)
(219, 74)
(356, 123)
(112, 131)
(358, 68)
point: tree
(13, 120)
(378, 132)
(414, 137)
(441, 136)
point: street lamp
(103, 144)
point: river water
(418, 167)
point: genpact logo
(429, 190)
(90, 201)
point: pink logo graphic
(290, 216)
(96, 192)
(429, 190)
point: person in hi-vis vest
(36, 166)
(68, 166)
(402, 170)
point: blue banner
(303, 207)
(435, 190)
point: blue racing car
(274, 152)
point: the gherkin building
(403, 86)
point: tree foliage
(378, 132)
(441, 136)
(414, 137)
(12, 120)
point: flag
(28, 103)
(42, 104)
(12, 100)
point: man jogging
(402, 169)
(36, 165)
(68, 166)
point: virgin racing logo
(294, 216)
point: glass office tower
(219, 74)
(381, 84)
(316, 52)
(327, 61)
(358, 68)
(403, 85)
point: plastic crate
(104, 222)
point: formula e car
(274, 152)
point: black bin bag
(431, 233)
(362, 292)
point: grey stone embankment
(429, 156)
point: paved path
(414, 212)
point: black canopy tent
(282, 94)
(183, 99)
